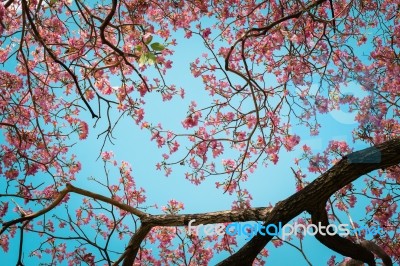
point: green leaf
(147, 58)
(151, 58)
(142, 60)
(157, 46)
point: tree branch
(344, 172)
(134, 245)
(55, 58)
(71, 189)
(253, 214)
(339, 244)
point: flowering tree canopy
(271, 70)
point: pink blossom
(290, 141)
(159, 139)
(190, 121)
(206, 32)
(11, 173)
(229, 164)
(274, 158)
(4, 242)
(107, 155)
(3, 209)
(139, 114)
(331, 261)
(83, 130)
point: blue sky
(267, 185)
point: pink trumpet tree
(269, 68)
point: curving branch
(102, 28)
(339, 244)
(374, 248)
(39, 38)
(320, 190)
(350, 168)
(72, 189)
(378, 251)
(134, 245)
(255, 32)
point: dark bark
(339, 244)
(311, 199)
(134, 245)
(343, 173)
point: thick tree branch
(378, 251)
(253, 214)
(344, 172)
(134, 245)
(374, 248)
(339, 244)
